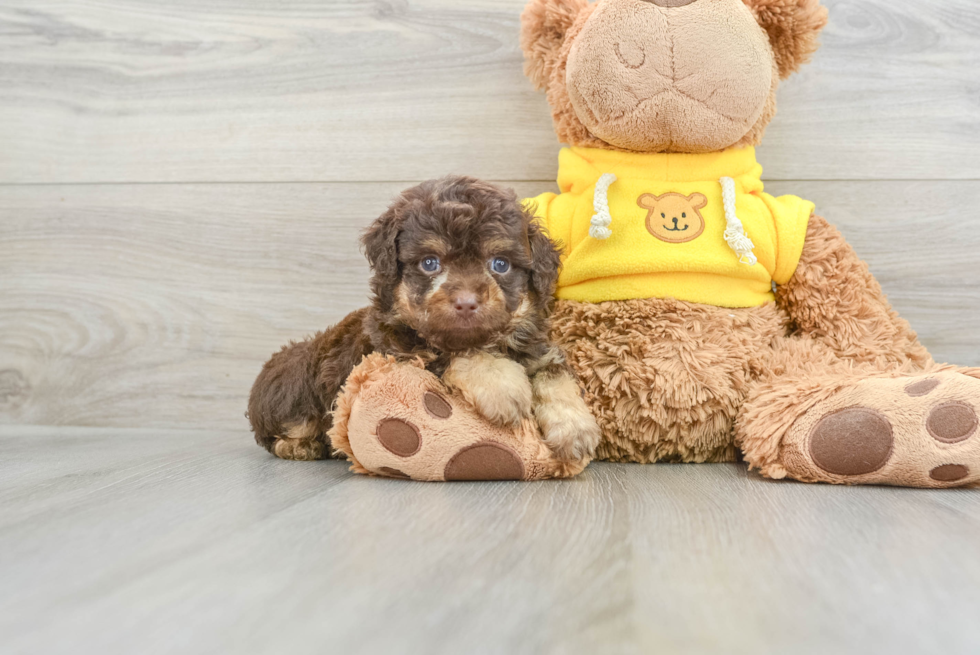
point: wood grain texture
(160, 542)
(156, 305)
(351, 90)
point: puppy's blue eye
(430, 265)
(499, 265)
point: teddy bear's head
(666, 75)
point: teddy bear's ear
(793, 27)
(543, 27)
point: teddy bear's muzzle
(693, 78)
(671, 3)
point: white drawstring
(735, 232)
(602, 218)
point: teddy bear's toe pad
(852, 441)
(436, 405)
(916, 432)
(485, 461)
(952, 422)
(949, 473)
(399, 437)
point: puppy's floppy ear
(380, 245)
(545, 260)
(543, 27)
(793, 27)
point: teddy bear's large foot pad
(911, 432)
(397, 420)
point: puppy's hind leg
(291, 399)
(303, 442)
(287, 415)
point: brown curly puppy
(463, 278)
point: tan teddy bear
(705, 317)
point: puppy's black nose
(466, 304)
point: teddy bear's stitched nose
(671, 3)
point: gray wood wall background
(182, 183)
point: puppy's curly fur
(463, 279)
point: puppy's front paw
(570, 432)
(567, 425)
(498, 388)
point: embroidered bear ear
(698, 200)
(793, 27)
(543, 27)
(648, 201)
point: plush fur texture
(827, 384)
(833, 299)
(793, 27)
(666, 378)
(463, 281)
(545, 25)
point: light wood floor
(182, 185)
(153, 541)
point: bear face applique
(674, 217)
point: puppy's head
(462, 263)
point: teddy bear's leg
(852, 396)
(834, 300)
(819, 418)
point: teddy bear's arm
(833, 298)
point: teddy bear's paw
(398, 420)
(405, 425)
(913, 432)
(443, 453)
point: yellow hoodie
(657, 226)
